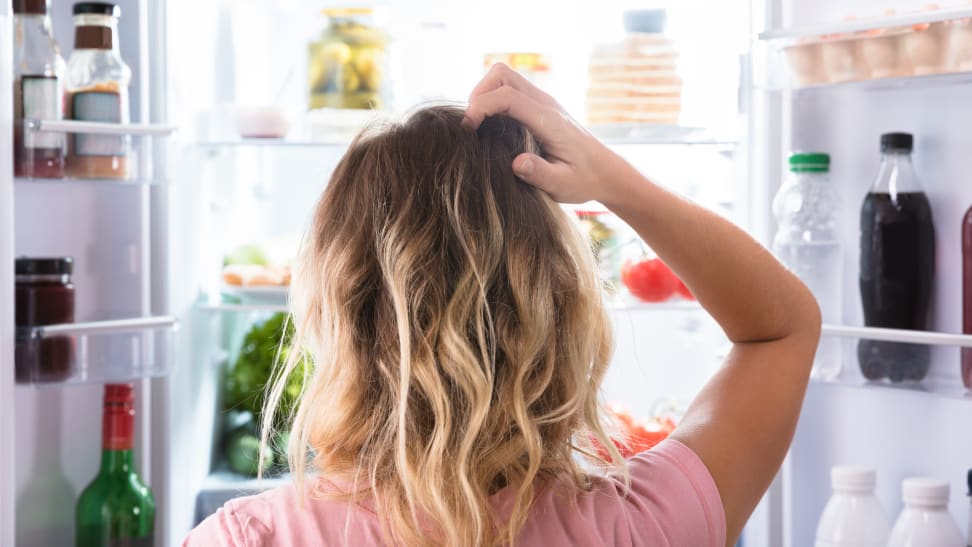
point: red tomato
(684, 291)
(649, 279)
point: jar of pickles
(348, 65)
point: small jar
(348, 65)
(44, 296)
(97, 91)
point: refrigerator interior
(899, 432)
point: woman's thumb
(534, 169)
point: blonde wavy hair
(453, 320)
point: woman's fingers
(500, 75)
(551, 177)
(543, 121)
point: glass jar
(44, 295)
(348, 65)
(38, 91)
(97, 87)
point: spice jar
(44, 296)
(97, 91)
(348, 65)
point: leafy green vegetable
(243, 453)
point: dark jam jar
(44, 296)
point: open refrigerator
(149, 251)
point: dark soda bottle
(897, 264)
(967, 297)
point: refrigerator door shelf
(119, 350)
(94, 182)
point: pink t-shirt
(673, 501)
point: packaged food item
(897, 264)
(841, 58)
(38, 91)
(603, 230)
(806, 210)
(958, 55)
(635, 80)
(535, 66)
(256, 275)
(97, 86)
(348, 65)
(882, 51)
(806, 62)
(967, 295)
(44, 295)
(925, 48)
(853, 517)
(925, 520)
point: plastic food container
(958, 55)
(883, 52)
(261, 122)
(925, 48)
(806, 63)
(842, 59)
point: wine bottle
(117, 508)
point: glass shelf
(932, 356)
(117, 350)
(670, 306)
(231, 307)
(270, 143)
(658, 134)
(869, 23)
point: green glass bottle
(117, 509)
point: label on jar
(97, 106)
(40, 99)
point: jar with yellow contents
(348, 65)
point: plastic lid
(847, 478)
(119, 394)
(44, 266)
(924, 491)
(30, 7)
(809, 162)
(899, 142)
(96, 8)
(650, 21)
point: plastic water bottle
(925, 520)
(806, 242)
(853, 517)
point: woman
(454, 319)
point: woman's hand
(576, 163)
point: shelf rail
(100, 128)
(869, 23)
(112, 326)
(899, 335)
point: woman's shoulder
(245, 521)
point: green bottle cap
(809, 163)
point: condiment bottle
(97, 86)
(967, 295)
(38, 91)
(925, 520)
(44, 295)
(853, 517)
(968, 479)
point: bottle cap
(44, 266)
(846, 478)
(96, 8)
(649, 21)
(30, 7)
(809, 162)
(897, 142)
(119, 394)
(924, 491)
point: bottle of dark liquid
(897, 264)
(116, 509)
(967, 296)
(38, 91)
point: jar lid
(846, 478)
(96, 8)
(809, 162)
(44, 266)
(924, 491)
(648, 21)
(347, 12)
(30, 7)
(899, 142)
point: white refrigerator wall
(899, 433)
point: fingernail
(526, 168)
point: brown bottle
(967, 295)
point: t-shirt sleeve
(673, 492)
(228, 527)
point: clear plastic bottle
(97, 86)
(807, 243)
(38, 91)
(853, 517)
(925, 520)
(897, 264)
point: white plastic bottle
(806, 209)
(853, 517)
(925, 520)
